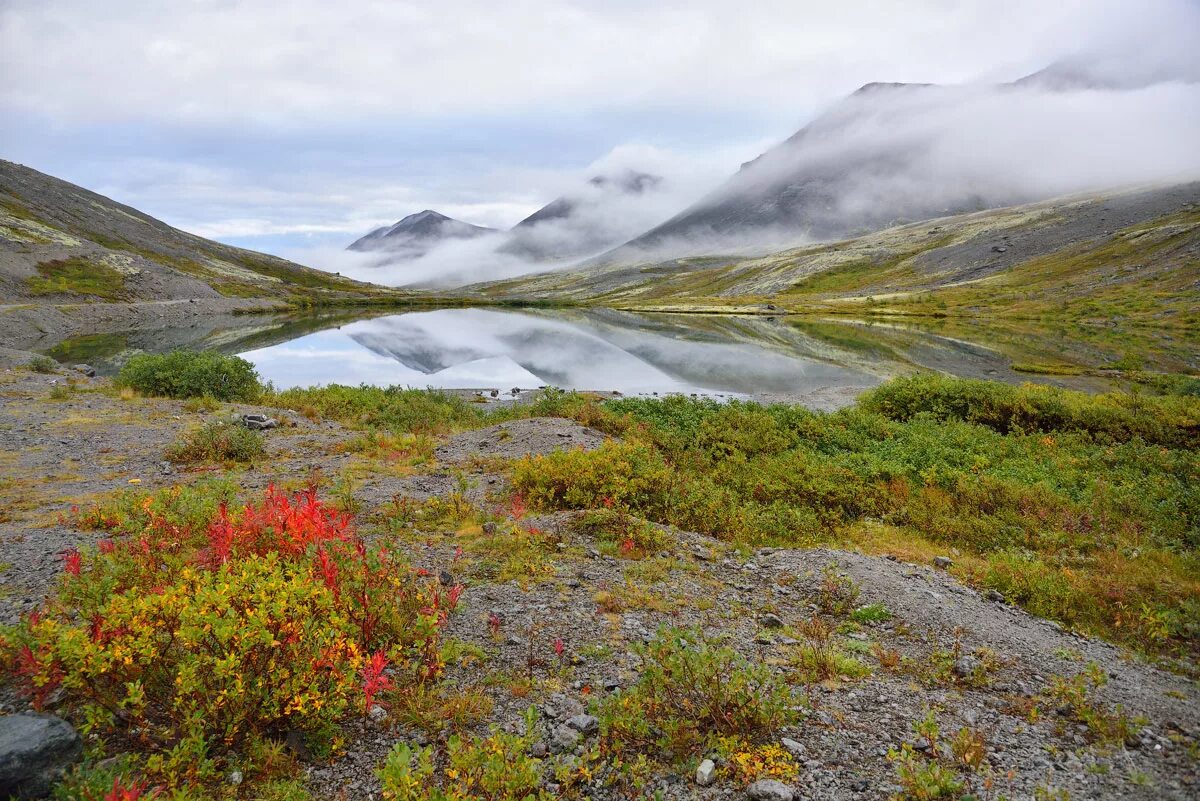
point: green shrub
(626, 475)
(496, 768)
(218, 441)
(622, 534)
(191, 374)
(1173, 421)
(394, 409)
(690, 691)
(41, 364)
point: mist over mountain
(416, 235)
(891, 153)
(582, 223)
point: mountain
(602, 214)
(891, 153)
(416, 234)
(60, 243)
(1128, 255)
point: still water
(466, 348)
(606, 350)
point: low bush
(191, 374)
(394, 409)
(194, 632)
(495, 768)
(1115, 417)
(219, 441)
(625, 475)
(41, 364)
(622, 534)
(690, 691)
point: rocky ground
(977, 661)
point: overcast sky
(285, 124)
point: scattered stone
(769, 790)
(258, 422)
(515, 391)
(444, 578)
(35, 750)
(235, 778)
(993, 595)
(489, 528)
(495, 393)
(771, 621)
(539, 750)
(86, 369)
(942, 562)
(377, 714)
(706, 774)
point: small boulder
(86, 369)
(794, 748)
(584, 724)
(564, 738)
(769, 790)
(964, 667)
(943, 562)
(258, 422)
(35, 750)
(706, 774)
(771, 621)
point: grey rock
(34, 751)
(793, 747)
(584, 724)
(993, 595)
(964, 666)
(769, 790)
(943, 562)
(772, 621)
(539, 750)
(86, 369)
(258, 422)
(706, 773)
(489, 528)
(563, 738)
(235, 778)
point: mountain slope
(891, 153)
(60, 243)
(416, 234)
(1135, 253)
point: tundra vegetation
(214, 631)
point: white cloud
(288, 61)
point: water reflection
(603, 350)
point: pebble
(706, 773)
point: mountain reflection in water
(600, 350)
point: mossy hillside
(78, 275)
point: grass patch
(77, 275)
(219, 441)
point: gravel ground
(59, 452)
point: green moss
(78, 275)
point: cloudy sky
(287, 125)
